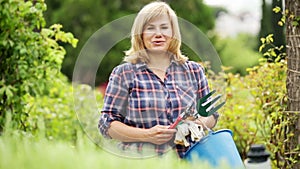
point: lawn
(18, 152)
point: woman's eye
(165, 27)
(150, 28)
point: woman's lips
(158, 42)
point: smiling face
(157, 34)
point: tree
(293, 62)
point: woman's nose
(158, 31)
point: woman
(146, 94)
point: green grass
(24, 153)
(19, 152)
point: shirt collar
(141, 65)
(174, 62)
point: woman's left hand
(208, 122)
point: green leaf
(269, 38)
(8, 92)
(295, 23)
(276, 9)
(261, 47)
(2, 90)
(74, 42)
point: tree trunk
(293, 64)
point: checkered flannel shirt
(136, 97)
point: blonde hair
(137, 52)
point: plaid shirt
(136, 97)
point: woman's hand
(159, 134)
(209, 121)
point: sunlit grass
(19, 152)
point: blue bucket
(216, 148)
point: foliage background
(86, 17)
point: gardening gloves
(197, 131)
(182, 132)
(188, 129)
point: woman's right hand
(159, 134)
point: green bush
(30, 58)
(255, 110)
(52, 116)
(248, 99)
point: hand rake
(206, 105)
(205, 108)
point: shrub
(30, 58)
(255, 109)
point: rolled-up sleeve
(115, 99)
(104, 122)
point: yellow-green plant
(255, 108)
(30, 57)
